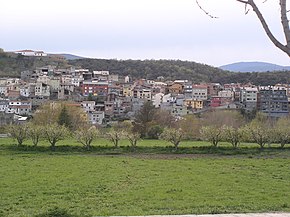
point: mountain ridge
(68, 56)
(254, 66)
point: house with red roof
(31, 53)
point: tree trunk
(261, 144)
(53, 147)
(176, 145)
(19, 141)
(35, 141)
(283, 144)
(116, 143)
(53, 142)
(235, 144)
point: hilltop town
(107, 97)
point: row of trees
(261, 131)
(56, 121)
(215, 126)
(54, 133)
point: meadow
(152, 179)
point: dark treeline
(257, 78)
(177, 69)
(151, 69)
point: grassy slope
(85, 183)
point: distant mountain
(254, 67)
(70, 56)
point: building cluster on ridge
(106, 97)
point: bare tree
(172, 135)
(115, 136)
(54, 133)
(86, 136)
(259, 131)
(35, 133)
(213, 134)
(18, 132)
(283, 46)
(233, 135)
(133, 138)
(282, 131)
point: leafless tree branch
(284, 21)
(207, 13)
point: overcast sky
(142, 29)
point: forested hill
(177, 69)
(151, 69)
(12, 65)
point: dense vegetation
(257, 78)
(12, 64)
(151, 69)
(177, 69)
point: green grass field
(153, 179)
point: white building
(31, 53)
(88, 105)
(76, 80)
(96, 117)
(157, 99)
(199, 92)
(19, 107)
(249, 94)
(249, 97)
(101, 75)
(25, 90)
(226, 94)
(127, 79)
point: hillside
(257, 78)
(151, 69)
(254, 67)
(12, 64)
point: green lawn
(154, 179)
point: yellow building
(127, 90)
(193, 103)
(175, 88)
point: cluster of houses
(106, 97)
